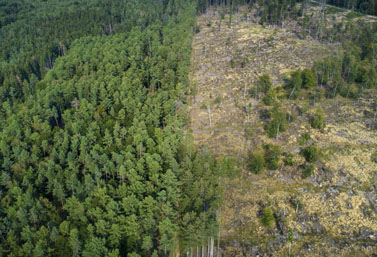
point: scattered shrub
(264, 83)
(257, 162)
(308, 79)
(318, 120)
(349, 91)
(270, 97)
(336, 88)
(316, 94)
(366, 76)
(268, 219)
(277, 124)
(272, 156)
(311, 154)
(304, 109)
(264, 114)
(293, 84)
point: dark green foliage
(93, 158)
(200, 197)
(366, 76)
(350, 64)
(257, 162)
(349, 91)
(308, 171)
(363, 6)
(272, 156)
(300, 79)
(308, 79)
(38, 32)
(270, 97)
(264, 83)
(268, 219)
(293, 84)
(276, 12)
(352, 73)
(311, 153)
(318, 120)
(278, 122)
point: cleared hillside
(330, 213)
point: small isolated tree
(268, 218)
(308, 79)
(294, 84)
(270, 97)
(311, 154)
(264, 83)
(318, 120)
(257, 162)
(277, 124)
(272, 156)
(290, 240)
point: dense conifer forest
(96, 153)
(94, 157)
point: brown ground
(337, 210)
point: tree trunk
(208, 247)
(293, 90)
(212, 243)
(218, 243)
(277, 131)
(209, 115)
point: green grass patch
(333, 10)
(352, 15)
